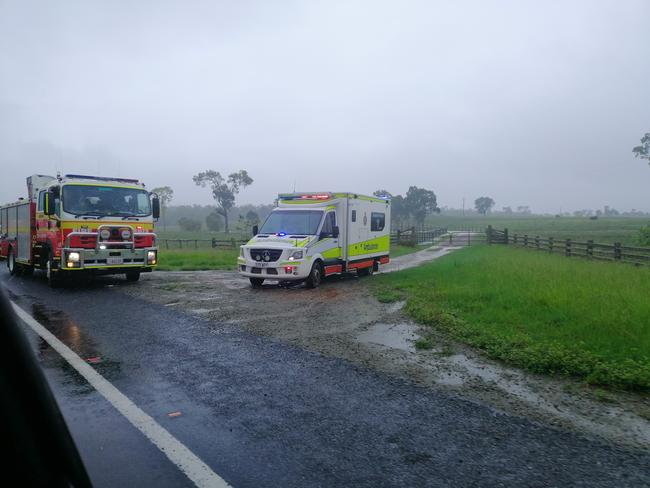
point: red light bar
(315, 197)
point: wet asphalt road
(262, 413)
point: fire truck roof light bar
(103, 178)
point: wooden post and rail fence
(616, 252)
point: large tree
(483, 204)
(223, 190)
(165, 195)
(419, 203)
(643, 151)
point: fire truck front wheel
(53, 277)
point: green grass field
(197, 259)
(546, 313)
(400, 250)
(606, 229)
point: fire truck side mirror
(49, 207)
(155, 207)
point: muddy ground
(342, 319)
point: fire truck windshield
(106, 201)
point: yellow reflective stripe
(379, 244)
(332, 253)
(76, 224)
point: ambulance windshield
(303, 222)
(105, 200)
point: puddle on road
(395, 336)
(72, 335)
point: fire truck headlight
(74, 257)
(151, 257)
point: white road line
(195, 469)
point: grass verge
(195, 260)
(545, 313)
(401, 250)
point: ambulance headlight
(151, 257)
(105, 234)
(126, 234)
(74, 257)
(296, 255)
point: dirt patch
(342, 319)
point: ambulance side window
(377, 221)
(328, 225)
(354, 216)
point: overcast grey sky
(533, 103)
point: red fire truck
(79, 224)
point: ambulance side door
(329, 241)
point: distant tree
(382, 193)
(189, 225)
(419, 203)
(507, 210)
(165, 195)
(523, 209)
(483, 205)
(214, 221)
(398, 211)
(223, 190)
(252, 218)
(643, 151)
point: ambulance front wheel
(315, 276)
(256, 282)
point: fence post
(196, 244)
(514, 239)
(567, 248)
(537, 242)
(505, 236)
(617, 251)
(550, 244)
(489, 234)
(180, 244)
(525, 240)
(468, 238)
(166, 244)
(590, 249)
(214, 242)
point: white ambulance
(312, 235)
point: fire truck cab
(80, 224)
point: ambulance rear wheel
(315, 276)
(365, 271)
(256, 282)
(11, 263)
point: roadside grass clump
(424, 344)
(197, 259)
(542, 312)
